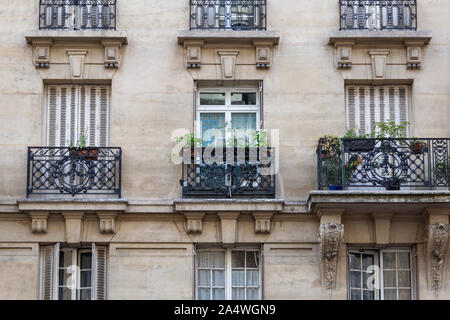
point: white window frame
(379, 293)
(228, 270)
(349, 270)
(227, 109)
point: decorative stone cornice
(330, 237)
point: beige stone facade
(153, 65)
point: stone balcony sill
(76, 36)
(379, 37)
(228, 36)
(67, 204)
(228, 205)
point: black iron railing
(237, 172)
(77, 14)
(228, 14)
(378, 14)
(60, 170)
(388, 163)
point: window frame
(228, 269)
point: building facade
(99, 199)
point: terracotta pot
(85, 153)
(418, 148)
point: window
(381, 275)
(369, 104)
(226, 110)
(76, 109)
(228, 274)
(73, 273)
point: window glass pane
(218, 278)
(243, 98)
(86, 260)
(389, 260)
(209, 122)
(85, 294)
(367, 261)
(252, 259)
(210, 99)
(238, 294)
(203, 277)
(85, 279)
(65, 294)
(403, 260)
(218, 294)
(252, 294)
(243, 121)
(253, 278)
(404, 294)
(238, 259)
(355, 261)
(238, 278)
(204, 294)
(390, 294)
(366, 276)
(66, 259)
(404, 278)
(355, 294)
(389, 279)
(368, 295)
(211, 259)
(355, 279)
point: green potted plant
(357, 141)
(82, 151)
(330, 146)
(442, 170)
(418, 146)
(190, 141)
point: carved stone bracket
(379, 60)
(42, 53)
(193, 53)
(107, 222)
(263, 54)
(414, 54)
(228, 62)
(262, 222)
(76, 59)
(112, 53)
(194, 222)
(330, 236)
(343, 54)
(437, 249)
(39, 221)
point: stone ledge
(58, 205)
(76, 36)
(228, 205)
(228, 36)
(379, 37)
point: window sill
(228, 36)
(76, 36)
(379, 37)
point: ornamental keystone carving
(76, 59)
(437, 249)
(330, 236)
(228, 61)
(379, 60)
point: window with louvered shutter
(366, 105)
(74, 109)
(99, 260)
(49, 272)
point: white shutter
(98, 278)
(369, 104)
(49, 271)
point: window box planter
(84, 153)
(418, 148)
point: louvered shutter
(369, 104)
(49, 271)
(99, 263)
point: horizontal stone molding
(228, 205)
(228, 36)
(65, 205)
(74, 36)
(379, 37)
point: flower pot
(84, 153)
(334, 187)
(393, 185)
(359, 145)
(418, 148)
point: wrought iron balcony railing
(228, 14)
(239, 172)
(388, 163)
(77, 14)
(60, 170)
(378, 14)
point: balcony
(392, 164)
(60, 170)
(378, 14)
(228, 14)
(77, 14)
(236, 172)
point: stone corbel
(193, 53)
(76, 59)
(382, 227)
(228, 62)
(39, 221)
(262, 222)
(42, 53)
(263, 51)
(343, 51)
(73, 223)
(414, 54)
(107, 222)
(379, 60)
(228, 227)
(112, 53)
(194, 222)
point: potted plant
(82, 151)
(418, 146)
(330, 146)
(440, 171)
(190, 141)
(357, 141)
